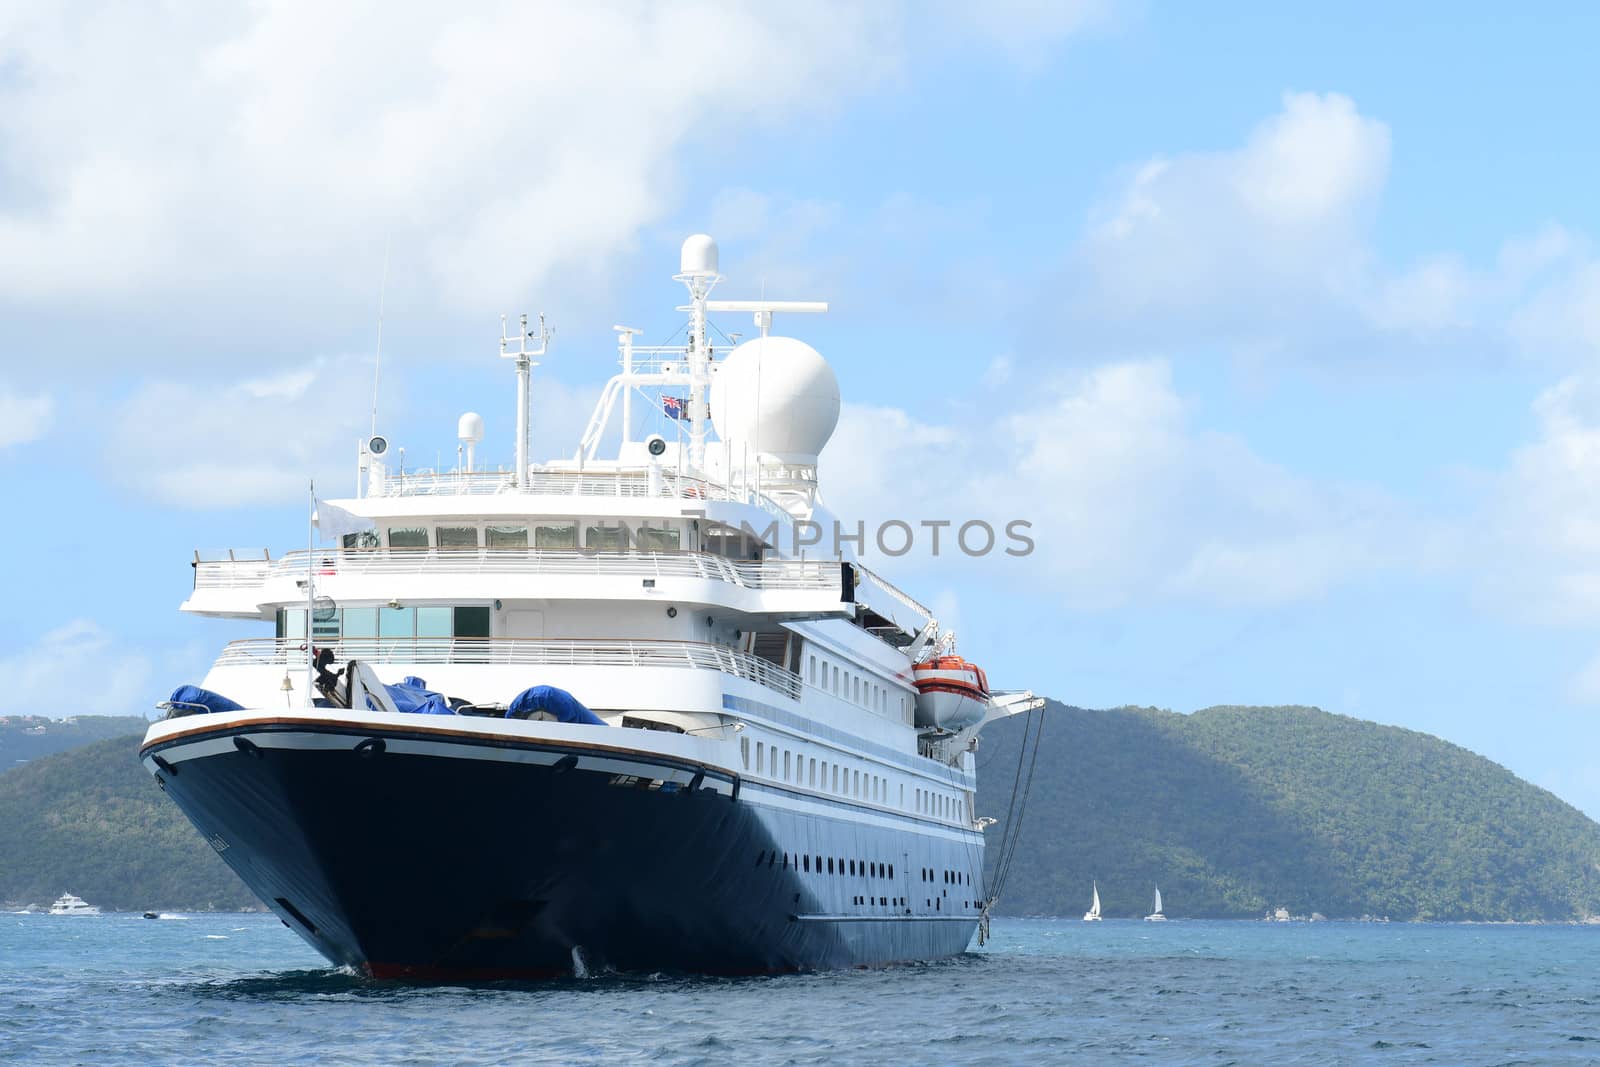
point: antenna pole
(523, 355)
(377, 359)
(311, 595)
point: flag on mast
(334, 522)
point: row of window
(950, 877)
(856, 688)
(808, 864)
(597, 535)
(786, 765)
(942, 805)
(461, 620)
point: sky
(1280, 324)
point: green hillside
(1236, 811)
(91, 821)
(28, 737)
(1232, 811)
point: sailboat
(1093, 914)
(1156, 916)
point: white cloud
(1129, 502)
(1243, 239)
(499, 146)
(501, 149)
(1267, 249)
(24, 417)
(228, 443)
(260, 440)
(1541, 524)
(34, 676)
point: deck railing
(818, 575)
(627, 483)
(521, 651)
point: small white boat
(1093, 914)
(1156, 916)
(67, 904)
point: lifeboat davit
(951, 693)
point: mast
(697, 270)
(524, 357)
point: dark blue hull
(487, 859)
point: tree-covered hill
(27, 737)
(1232, 811)
(1236, 811)
(91, 821)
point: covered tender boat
(951, 693)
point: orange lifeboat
(951, 693)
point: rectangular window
(408, 537)
(786, 765)
(813, 773)
(292, 625)
(455, 536)
(471, 621)
(555, 535)
(361, 540)
(761, 753)
(811, 669)
(435, 622)
(505, 536)
(744, 751)
(604, 537)
(836, 681)
(658, 539)
(835, 777)
(397, 622)
(361, 623)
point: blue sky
(1281, 324)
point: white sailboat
(1093, 914)
(1156, 916)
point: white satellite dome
(698, 255)
(778, 397)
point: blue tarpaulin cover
(413, 695)
(558, 702)
(193, 694)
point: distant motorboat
(1093, 914)
(1156, 916)
(151, 915)
(67, 904)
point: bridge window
(362, 540)
(408, 537)
(555, 535)
(505, 536)
(604, 537)
(658, 539)
(455, 536)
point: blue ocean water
(231, 989)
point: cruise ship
(639, 710)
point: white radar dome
(776, 396)
(699, 255)
(470, 427)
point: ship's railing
(757, 575)
(521, 651)
(622, 483)
(894, 591)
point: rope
(1016, 811)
